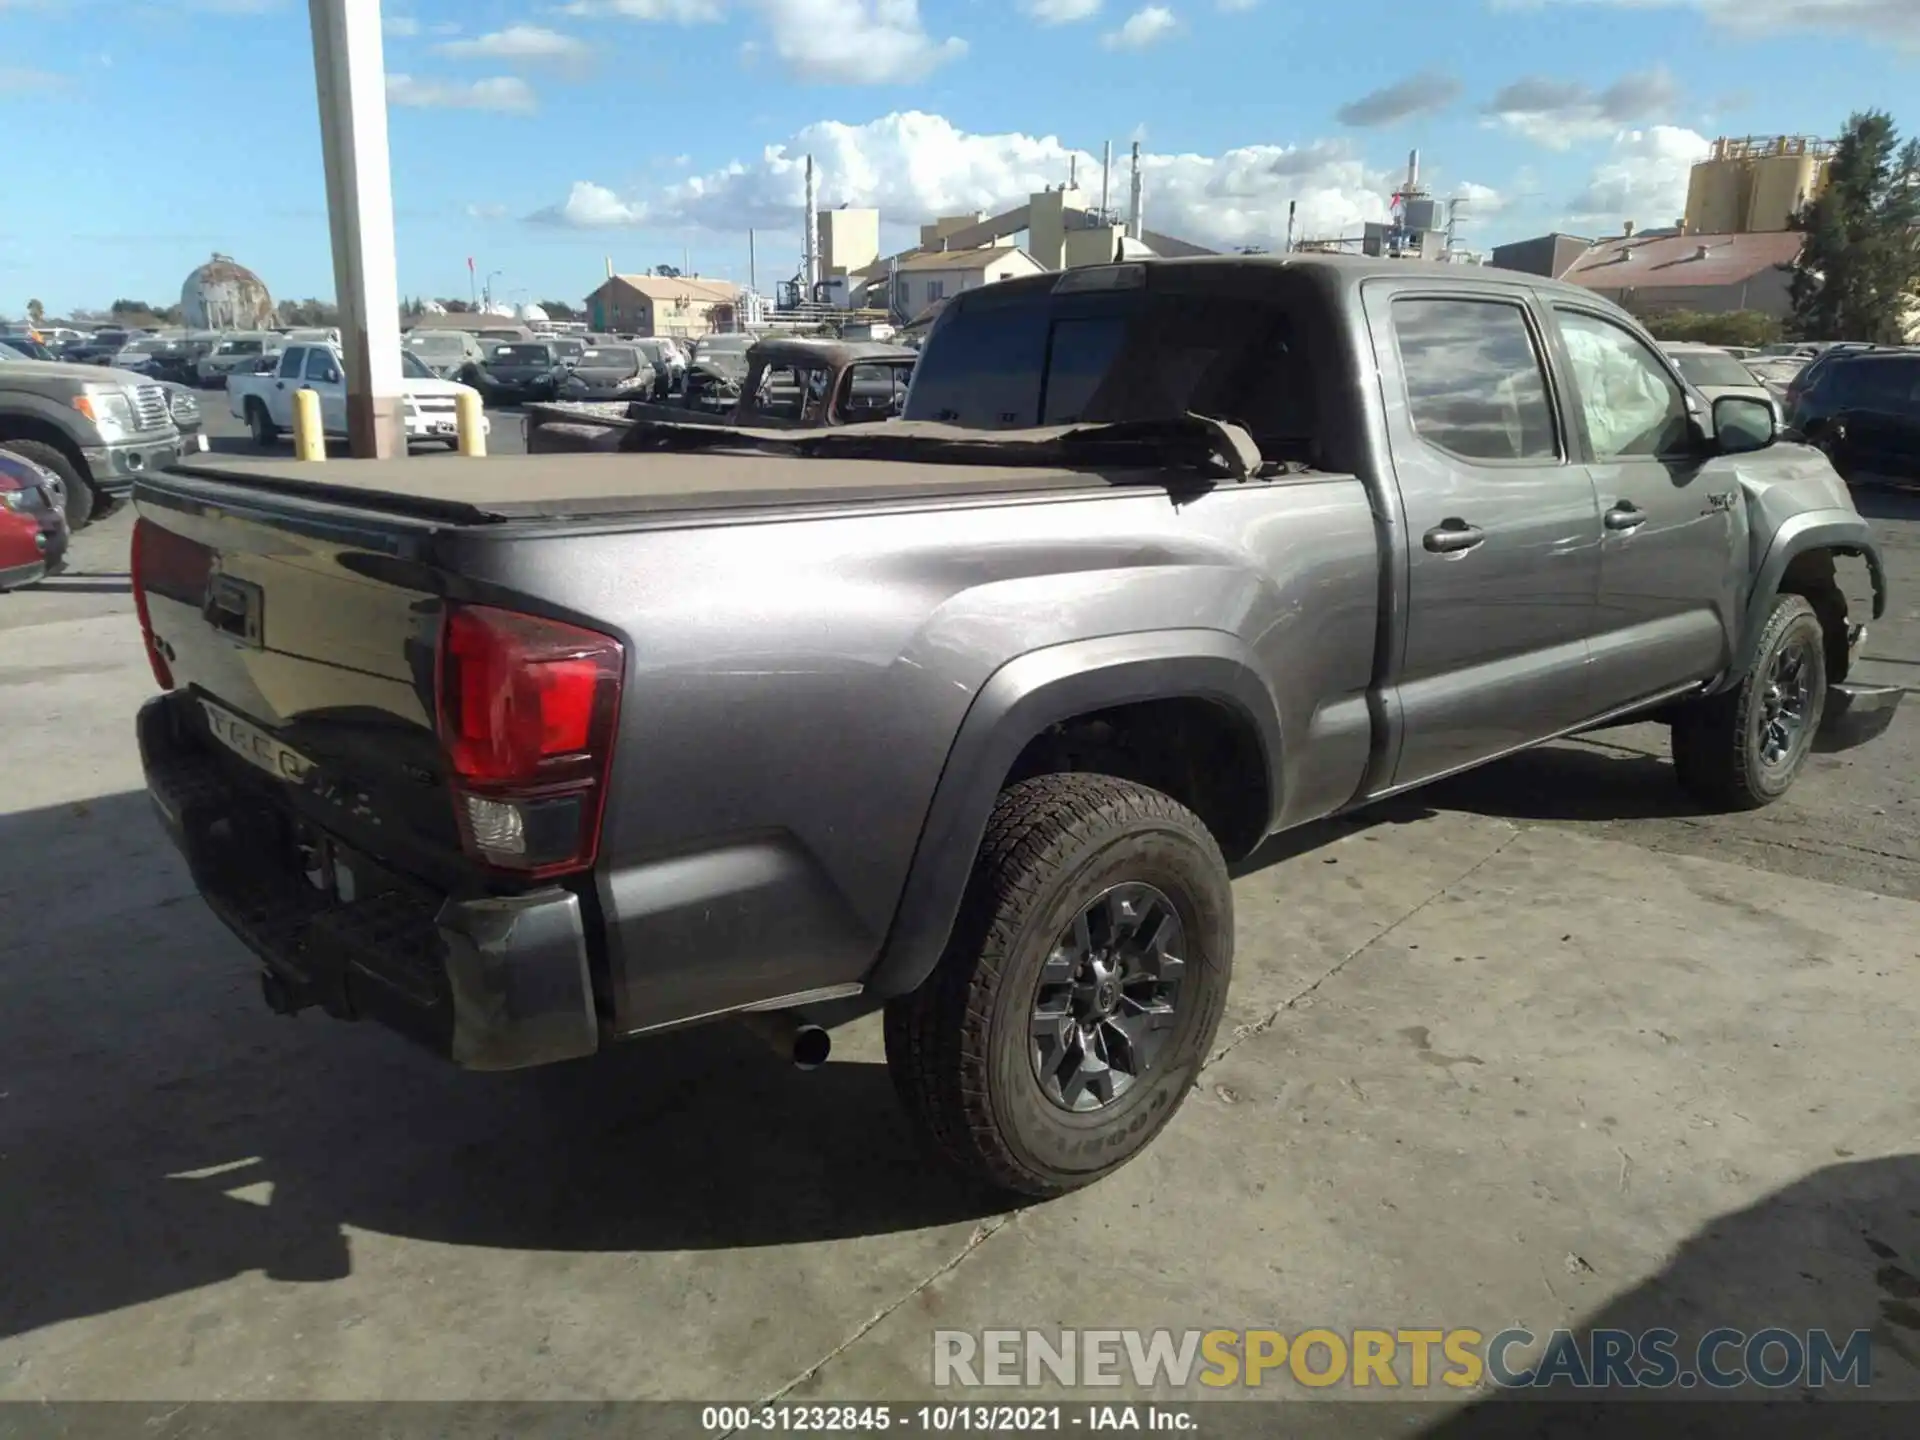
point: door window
(1475, 385)
(291, 361)
(320, 367)
(1632, 405)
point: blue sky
(541, 136)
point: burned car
(716, 373)
(786, 383)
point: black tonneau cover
(530, 487)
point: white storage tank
(222, 295)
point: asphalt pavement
(1541, 1046)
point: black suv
(1864, 411)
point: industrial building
(663, 305)
(1732, 250)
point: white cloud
(1563, 113)
(1144, 27)
(1644, 179)
(1896, 20)
(1062, 12)
(856, 42)
(518, 42)
(1235, 7)
(913, 166)
(675, 12)
(497, 92)
(486, 212)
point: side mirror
(1742, 424)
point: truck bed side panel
(795, 688)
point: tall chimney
(1106, 175)
(1073, 171)
(1626, 232)
(1413, 170)
(1133, 204)
(812, 252)
(1291, 205)
(609, 267)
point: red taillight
(527, 713)
(139, 576)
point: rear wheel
(77, 497)
(1080, 990)
(265, 432)
(1742, 749)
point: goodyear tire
(1079, 992)
(1742, 749)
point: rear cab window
(1016, 356)
(1476, 383)
(291, 361)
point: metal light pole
(486, 290)
(350, 74)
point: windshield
(724, 345)
(1711, 367)
(414, 368)
(522, 355)
(146, 347)
(570, 348)
(621, 358)
(238, 347)
(437, 344)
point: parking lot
(1542, 1046)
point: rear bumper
(491, 983)
(1856, 715)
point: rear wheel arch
(1047, 712)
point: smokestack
(753, 271)
(1413, 170)
(813, 236)
(609, 267)
(1291, 206)
(1073, 170)
(1133, 204)
(1106, 175)
(1627, 230)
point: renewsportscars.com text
(1413, 1359)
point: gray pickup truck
(966, 715)
(96, 429)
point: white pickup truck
(265, 401)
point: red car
(33, 523)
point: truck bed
(535, 487)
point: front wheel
(1743, 748)
(1079, 992)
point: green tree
(36, 312)
(559, 310)
(1751, 328)
(1859, 271)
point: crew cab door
(324, 378)
(288, 377)
(1501, 520)
(1673, 552)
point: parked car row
(516, 366)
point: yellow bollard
(309, 439)
(473, 435)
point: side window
(875, 392)
(1475, 384)
(320, 367)
(936, 290)
(782, 392)
(1632, 406)
(291, 359)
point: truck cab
(266, 401)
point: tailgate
(308, 651)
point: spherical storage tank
(221, 295)
(529, 314)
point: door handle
(1626, 516)
(1453, 535)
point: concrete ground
(1542, 1046)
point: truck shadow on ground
(1572, 781)
(162, 1132)
(1837, 1251)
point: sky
(545, 138)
